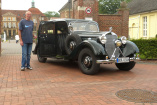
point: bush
(147, 47)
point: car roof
(68, 20)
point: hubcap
(72, 45)
(87, 61)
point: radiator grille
(110, 45)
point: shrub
(147, 47)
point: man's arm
(21, 41)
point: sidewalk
(62, 83)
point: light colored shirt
(17, 37)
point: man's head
(28, 15)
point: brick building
(64, 11)
(118, 21)
(11, 19)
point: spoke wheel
(87, 62)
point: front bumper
(114, 60)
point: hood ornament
(110, 29)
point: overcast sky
(42, 5)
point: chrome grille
(110, 45)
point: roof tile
(139, 6)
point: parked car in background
(81, 41)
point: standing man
(26, 40)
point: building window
(14, 25)
(9, 18)
(5, 25)
(13, 18)
(145, 26)
(9, 24)
(4, 18)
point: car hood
(94, 34)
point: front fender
(130, 48)
(94, 46)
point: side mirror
(70, 28)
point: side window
(62, 28)
(47, 28)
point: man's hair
(28, 12)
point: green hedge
(147, 47)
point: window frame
(145, 27)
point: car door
(47, 38)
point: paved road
(62, 83)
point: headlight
(123, 39)
(118, 43)
(103, 39)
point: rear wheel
(87, 62)
(125, 66)
(41, 59)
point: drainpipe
(69, 8)
(138, 26)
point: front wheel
(87, 62)
(125, 66)
(41, 59)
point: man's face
(28, 15)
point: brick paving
(62, 83)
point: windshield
(85, 26)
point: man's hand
(21, 42)
(35, 37)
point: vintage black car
(80, 40)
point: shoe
(22, 69)
(30, 68)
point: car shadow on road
(64, 63)
(105, 69)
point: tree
(110, 6)
(52, 14)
